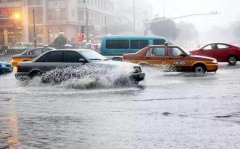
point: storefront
(11, 30)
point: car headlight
(214, 61)
(137, 69)
(3, 65)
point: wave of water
(84, 77)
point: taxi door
(155, 56)
(178, 58)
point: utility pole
(134, 16)
(86, 17)
(105, 24)
(34, 29)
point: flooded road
(167, 110)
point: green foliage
(59, 42)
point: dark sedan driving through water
(86, 61)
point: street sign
(4, 12)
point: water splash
(85, 77)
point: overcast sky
(229, 11)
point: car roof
(131, 37)
(76, 50)
(162, 46)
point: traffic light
(83, 29)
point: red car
(220, 51)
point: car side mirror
(81, 60)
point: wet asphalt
(167, 110)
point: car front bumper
(212, 67)
(137, 76)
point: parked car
(22, 46)
(4, 49)
(80, 58)
(221, 51)
(172, 55)
(5, 67)
(29, 55)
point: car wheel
(200, 69)
(232, 60)
(35, 74)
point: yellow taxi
(174, 56)
(29, 55)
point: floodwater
(167, 110)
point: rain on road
(167, 110)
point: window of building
(117, 44)
(35, 2)
(81, 14)
(57, 14)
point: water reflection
(8, 124)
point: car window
(55, 56)
(117, 44)
(159, 41)
(155, 52)
(174, 52)
(138, 44)
(70, 56)
(222, 46)
(45, 50)
(35, 52)
(209, 47)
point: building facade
(52, 17)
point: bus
(119, 45)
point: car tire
(35, 74)
(200, 69)
(232, 60)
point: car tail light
(17, 68)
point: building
(52, 17)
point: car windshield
(188, 53)
(92, 55)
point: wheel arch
(201, 64)
(34, 71)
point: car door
(222, 52)
(178, 58)
(208, 50)
(155, 56)
(49, 61)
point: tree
(187, 31)
(59, 42)
(164, 27)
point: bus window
(158, 41)
(139, 44)
(117, 44)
